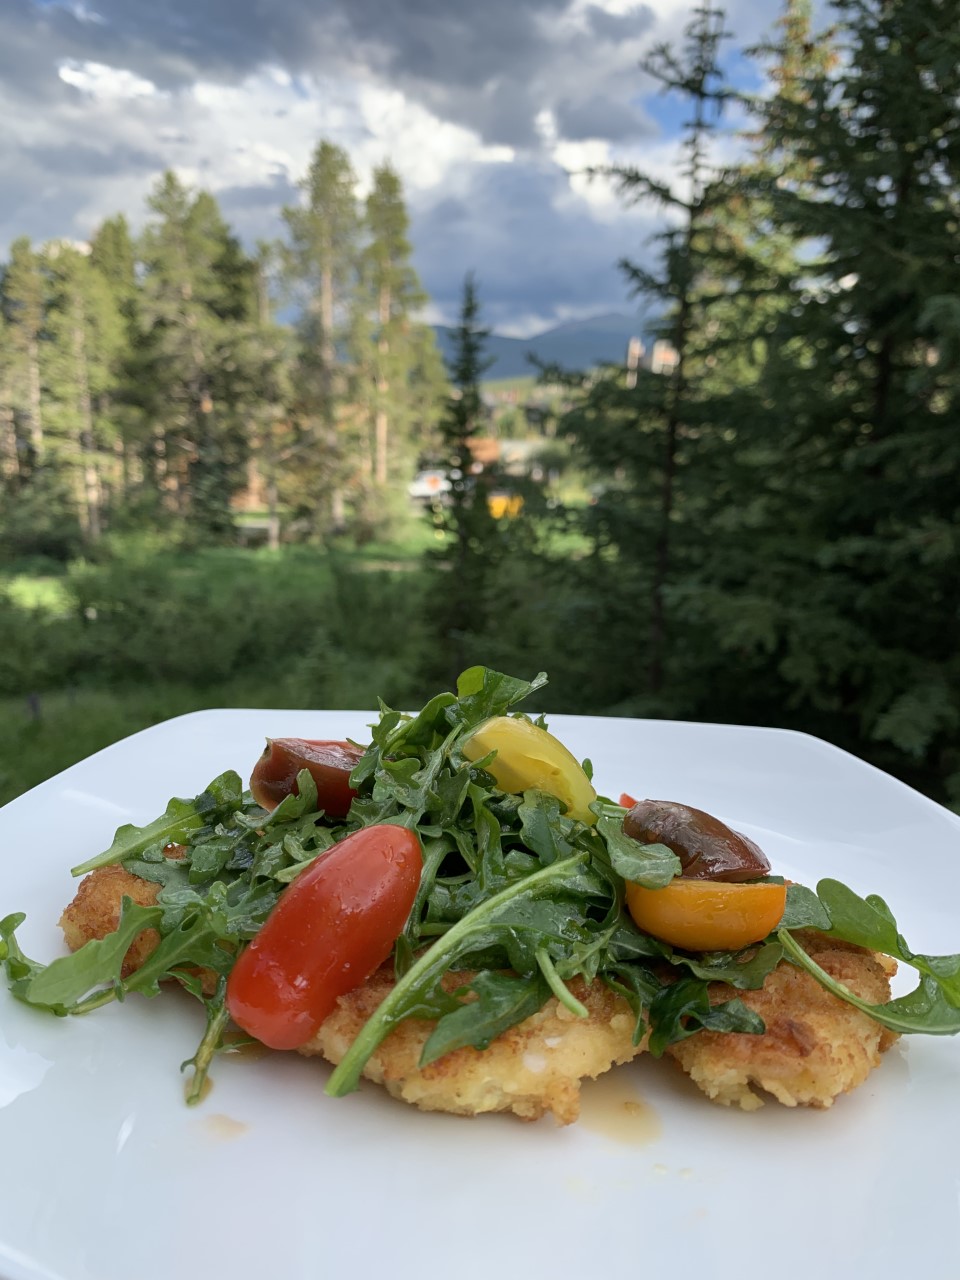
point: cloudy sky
(487, 108)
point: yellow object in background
(504, 504)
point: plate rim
(822, 744)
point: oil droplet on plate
(224, 1128)
(612, 1107)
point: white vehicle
(429, 486)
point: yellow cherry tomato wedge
(707, 915)
(530, 758)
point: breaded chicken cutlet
(815, 1046)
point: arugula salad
(464, 855)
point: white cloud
(490, 116)
(423, 148)
(102, 81)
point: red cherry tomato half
(329, 763)
(627, 802)
(329, 931)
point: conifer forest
(207, 446)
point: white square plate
(108, 1175)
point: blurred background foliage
(206, 453)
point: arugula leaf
(175, 825)
(925, 1009)
(484, 693)
(673, 1010)
(167, 872)
(680, 1009)
(298, 803)
(421, 981)
(17, 966)
(838, 912)
(217, 1021)
(502, 1000)
(209, 858)
(62, 985)
(435, 852)
(639, 987)
(650, 865)
(804, 910)
(860, 920)
(490, 868)
(528, 925)
(422, 729)
(543, 828)
(746, 970)
(557, 985)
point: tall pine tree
(649, 433)
(322, 271)
(197, 287)
(865, 386)
(395, 293)
(81, 363)
(467, 560)
(24, 306)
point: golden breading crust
(815, 1047)
(95, 912)
(534, 1068)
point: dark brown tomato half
(329, 764)
(706, 847)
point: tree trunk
(328, 356)
(33, 398)
(92, 494)
(381, 435)
(161, 467)
(9, 450)
(381, 423)
(121, 466)
(661, 563)
(328, 353)
(273, 514)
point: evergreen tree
(865, 382)
(113, 254)
(197, 288)
(24, 306)
(750, 271)
(81, 357)
(38, 512)
(322, 270)
(10, 446)
(396, 376)
(395, 293)
(269, 356)
(468, 558)
(652, 433)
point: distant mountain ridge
(576, 344)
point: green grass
(110, 648)
(44, 592)
(62, 728)
(148, 632)
(43, 736)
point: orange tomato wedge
(707, 915)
